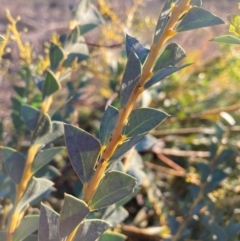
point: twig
(117, 45)
(140, 234)
(192, 130)
(192, 154)
(111, 99)
(164, 169)
(166, 160)
(207, 113)
(199, 197)
(201, 193)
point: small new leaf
(228, 39)
(77, 52)
(114, 187)
(56, 56)
(87, 27)
(198, 18)
(50, 85)
(86, 13)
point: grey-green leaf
(75, 47)
(72, 213)
(130, 78)
(86, 13)
(87, 27)
(163, 19)
(115, 215)
(32, 237)
(90, 230)
(114, 187)
(229, 39)
(51, 131)
(217, 231)
(30, 116)
(44, 157)
(112, 236)
(72, 39)
(132, 43)
(49, 172)
(56, 56)
(43, 128)
(57, 131)
(198, 18)
(143, 120)
(108, 123)
(50, 85)
(36, 187)
(124, 148)
(78, 51)
(28, 225)
(21, 91)
(163, 73)
(14, 163)
(48, 224)
(171, 55)
(83, 150)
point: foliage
(234, 21)
(186, 207)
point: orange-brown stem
(176, 13)
(20, 188)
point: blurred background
(42, 18)
(200, 137)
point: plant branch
(25, 50)
(117, 138)
(207, 113)
(20, 188)
(166, 170)
(192, 130)
(189, 218)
